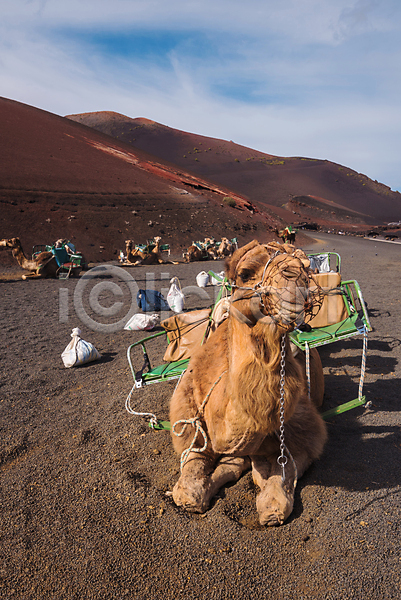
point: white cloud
(316, 78)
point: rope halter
(283, 292)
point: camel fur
(231, 389)
(43, 265)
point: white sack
(202, 279)
(79, 352)
(142, 322)
(175, 297)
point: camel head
(11, 243)
(129, 245)
(157, 239)
(271, 284)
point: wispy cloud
(316, 78)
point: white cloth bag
(142, 322)
(202, 279)
(175, 296)
(79, 352)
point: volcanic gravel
(85, 511)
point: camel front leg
(201, 480)
(32, 276)
(276, 497)
(275, 500)
(192, 490)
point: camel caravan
(250, 382)
(149, 254)
(61, 260)
(153, 252)
(209, 249)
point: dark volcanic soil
(84, 507)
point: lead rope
(195, 422)
(363, 365)
(153, 419)
(282, 459)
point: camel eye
(245, 275)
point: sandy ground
(84, 510)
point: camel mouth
(280, 292)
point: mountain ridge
(263, 178)
(59, 178)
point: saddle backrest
(333, 309)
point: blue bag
(151, 301)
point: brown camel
(43, 265)
(225, 248)
(243, 400)
(132, 253)
(201, 251)
(137, 257)
(287, 234)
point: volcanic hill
(310, 189)
(59, 178)
(101, 178)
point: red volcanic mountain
(62, 179)
(332, 194)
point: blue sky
(314, 78)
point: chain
(307, 367)
(282, 459)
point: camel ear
(232, 262)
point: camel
(133, 254)
(43, 265)
(242, 402)
(137, 257)
(287, 234)
(225, 248)
(201, 251)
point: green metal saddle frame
(68, 264)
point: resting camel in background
(43, 265)
(137, 257)
(225, 249)
(226, 411)
(133, 254)
(201, 251)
